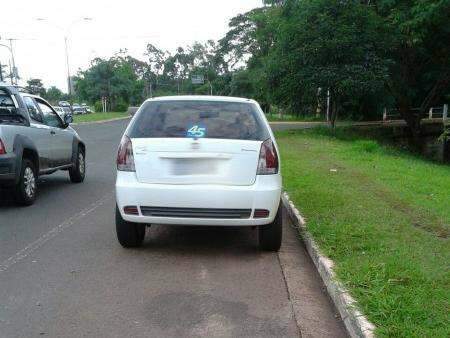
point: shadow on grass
(367, 139)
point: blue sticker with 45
(196, 131)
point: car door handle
(53, 132)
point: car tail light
(2, 148)
(268, 159)
(261, 213)
(125, 158)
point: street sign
(198, 79)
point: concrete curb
(102, 121)
(355, 322)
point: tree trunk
(413, 122)
(334, 106)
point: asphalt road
(63, 274)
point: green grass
(292, 118)
(383, 216)
(97, 117)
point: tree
(114, 78)
(54, 95)
(35, 86)
(420, 73)
(336, 45)
(244, 50)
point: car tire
(26, 189)
(129, 234)
(270, 235)
(78, 170)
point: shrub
(98, 107)
(366, 146)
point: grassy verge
(97, 117)
(383, 216)
(291, 118)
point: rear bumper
(7, 169)
(263, 194)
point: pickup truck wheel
(26, 188)
(130, 235)
(270, 235)
(78, 170)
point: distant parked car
(59, 110)
(87, 108)
(64, 104)
(78, 110)
(62, 112)
(67, 110)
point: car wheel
(78, 170)
(270, 235)
(26, 188)
(130, 235)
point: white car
(198, 160)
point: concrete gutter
(355, 322)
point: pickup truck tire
(78, 170)
(270, 235)
(130, 235)
(26, 188)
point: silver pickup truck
(35, 141)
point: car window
(51, 118)
(6, 102)
(208, 119)
(32, 109)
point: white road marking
(25, 252)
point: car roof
(8, 87)
(31, 95)
(201, 98)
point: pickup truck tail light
(125, 158)
(268, 159)
(2, 148)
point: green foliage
(98, 106)
(290, 53)
(114, 79)
(382, 216)
(121, 105)
(36, 87)
(99, 116)
(420, 73)
(336, 45)
(54, 95)
(366, 146)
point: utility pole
(67, 31)
(11, 74)
(69, 80)
(14, 69)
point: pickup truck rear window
(6, 103)
(8, 110)
(199, 119)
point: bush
(121, 105)
(98, 107)
(366, 146)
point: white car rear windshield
(199, 119)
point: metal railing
(433, 113)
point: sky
(40, 27)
